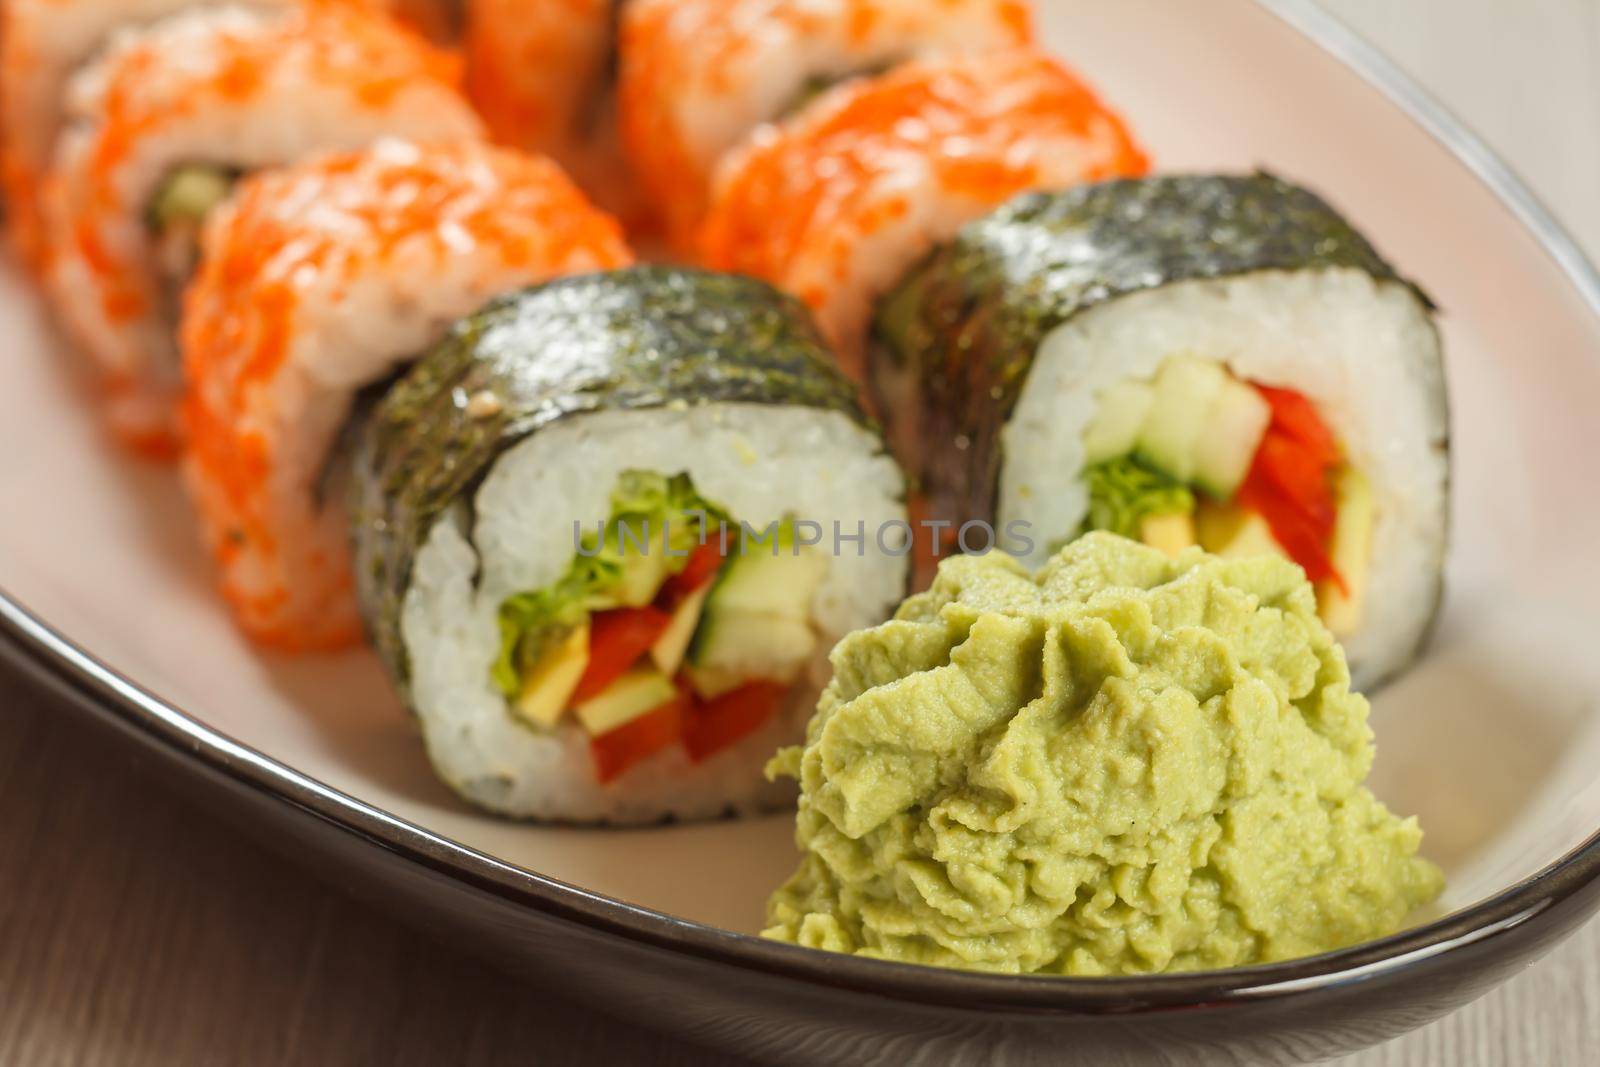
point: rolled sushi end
(621, 583)
(839, 201)
(696, 77)
(166, 119)
(1278, 390)
(405, 239)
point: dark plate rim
(53, 658)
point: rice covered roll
(167, 121)
(542, 73)
(606, 534)
(318, 280)
(1212, 360)
(697, 76)
(838, 202)
(42, 43)
(438, 20)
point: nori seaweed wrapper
(952, 346)
(644, 337)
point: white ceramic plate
(1492, 739)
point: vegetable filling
(673, 624)
(1197, 456)
(816, 85)
(174, 218)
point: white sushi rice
(760, 463)
(1364, 352)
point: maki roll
(1220, 360)
(605, 535)
(837, 203)
(319, 280)
(698, 75)
(42, 43)
(167, 121)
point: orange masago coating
(230, 87)
(535, 66)
(697, 76)
(838, 202)
(318, 280)
(540, 73)
(43, 44)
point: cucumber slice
(1115, 429)
(752, 645)
(188, 194)
(1227, 446)
(1351, 552)
(641, 690)
(756, 622)
(669, 649)
(547, 686)
(758, 581)
(1185, 389)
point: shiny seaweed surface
(953, 345)
(645, 337)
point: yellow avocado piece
(1351, 553)
(1170, 533)
(549, 685)
(709, 683)
(1232, 532)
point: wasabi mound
(1125, 764)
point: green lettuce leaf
(1123, 492)
(646, 508)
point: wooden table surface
(135, 930)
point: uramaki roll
(318, 280)
(167, 120)
(543, 73)
(697, 76)
(42, 44)
(837, 203)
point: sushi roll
(837, 203)
(42, 43)
(438, 20)
(542, 74)
(606, 534)
(1212, 360)
(697, 76)
(167, 120)
(318, 280)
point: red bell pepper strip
(1295, 415)
(1290, 483)
(720, 722)
(702, 566)
(1286, 468)
(616, 641)
(1301, 539)
(616, 750)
